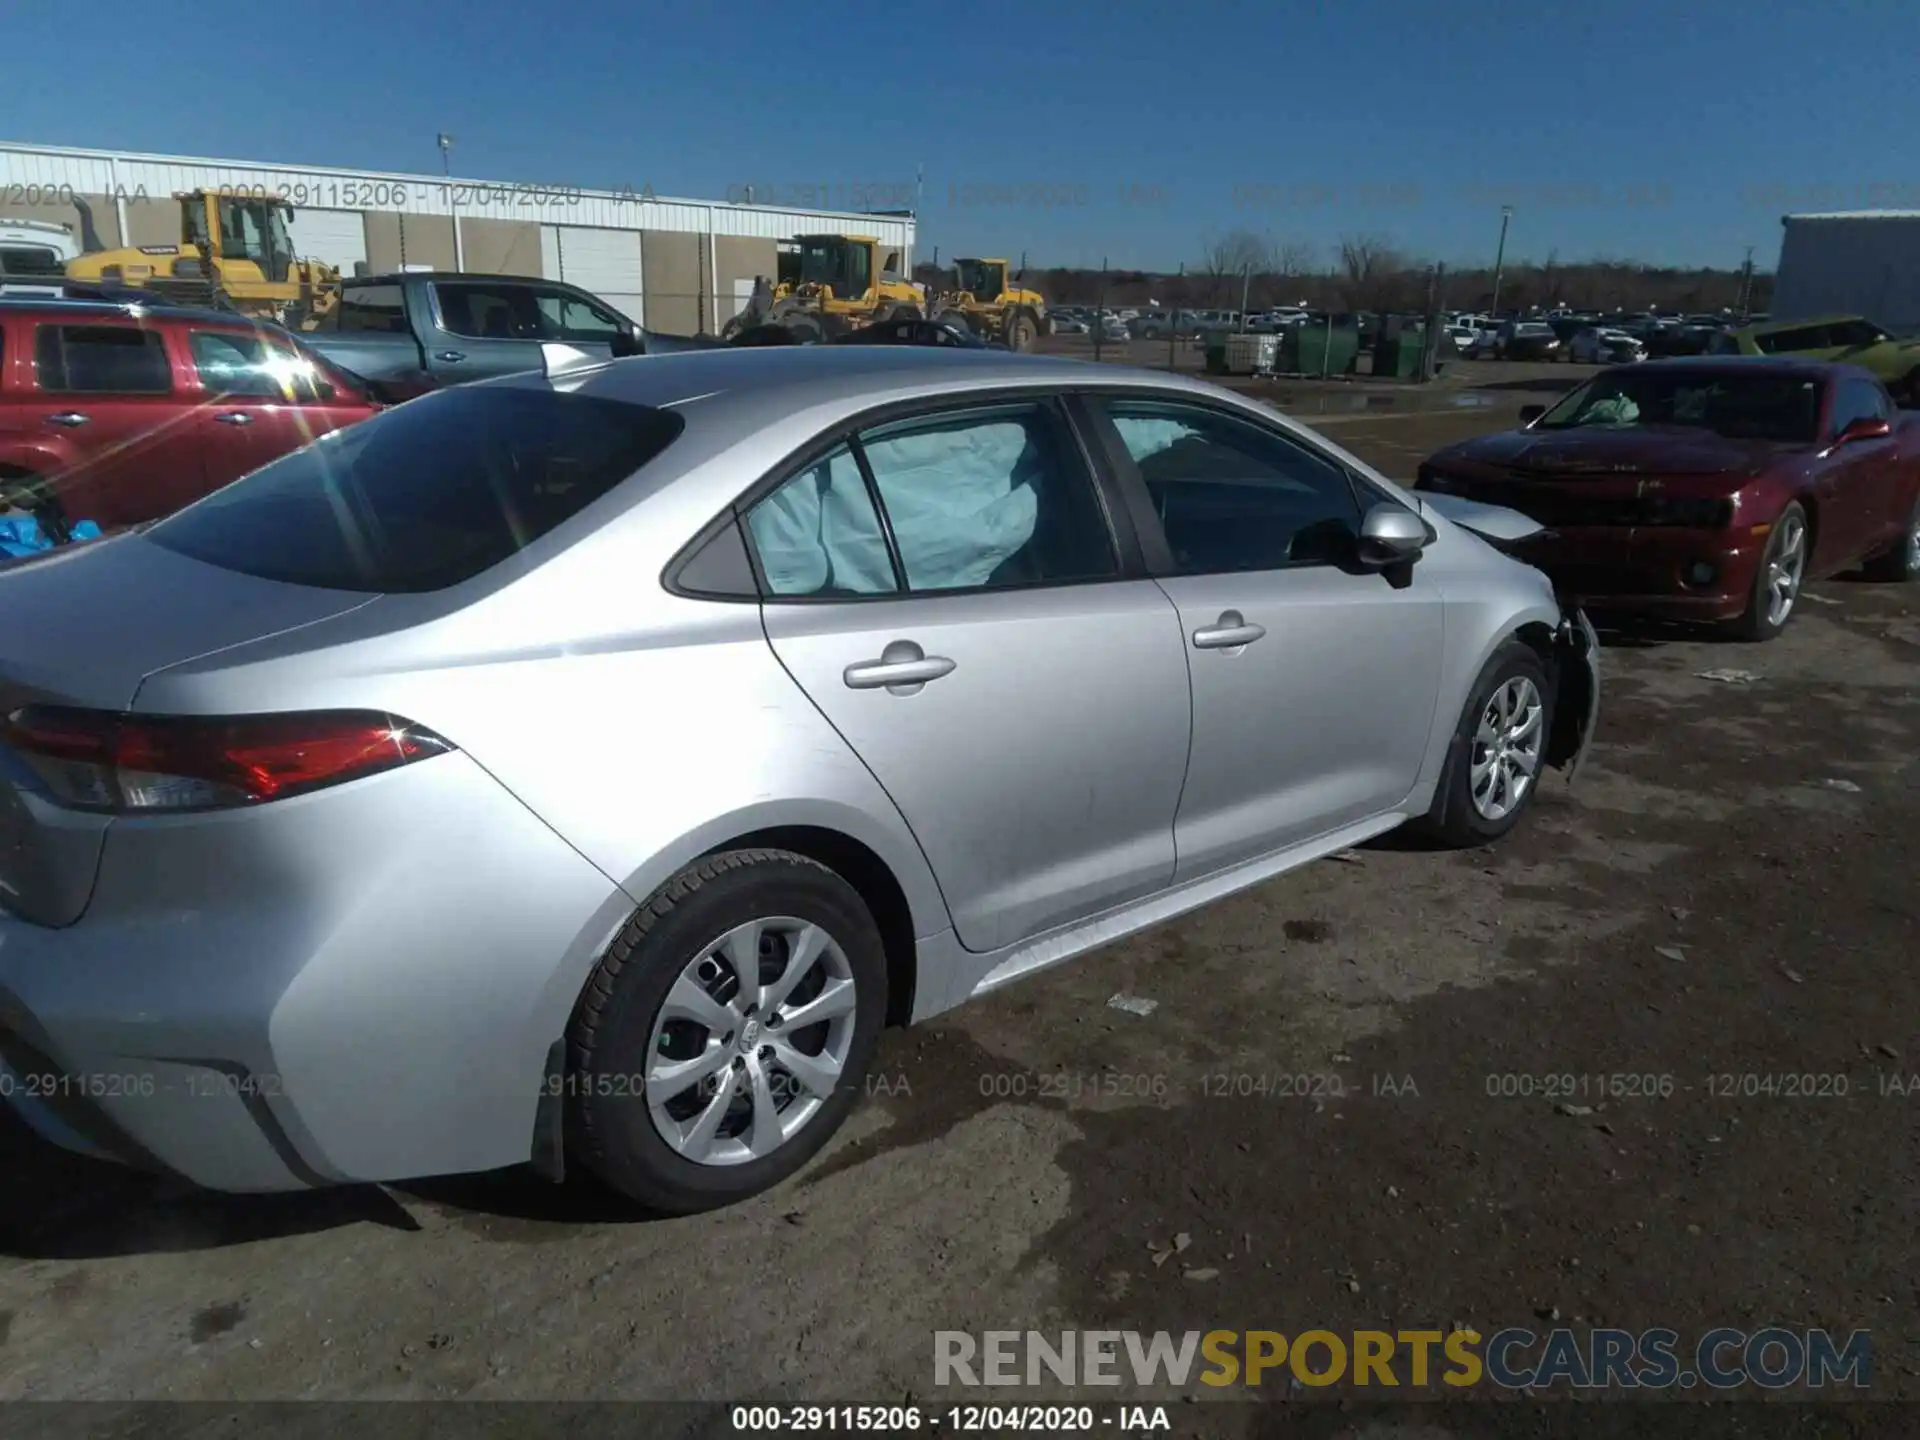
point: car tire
(678, 957)
(1465, 812)
(1900, 562)
(1762, 619)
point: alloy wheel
(1786, 564)
(751, 1041)
(1506, 748)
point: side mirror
(1531, 413)
(1391, 535)
(1867, 427)
(626, 341)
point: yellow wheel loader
(234, 253)
(993, 307)
(826, 286)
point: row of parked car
(114, 412)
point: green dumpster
(1319, 350)
(1397, 357)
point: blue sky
(1673, 133)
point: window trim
(1130, 564)
(1161, 566)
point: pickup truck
(409, 333)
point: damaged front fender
(1576, 710)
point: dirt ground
(1726, 891)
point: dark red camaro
(1706, 489)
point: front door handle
(235, 417)
(903, 667)
(70, 419)
(452, 357)
(1229, 632)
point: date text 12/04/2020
(957, 1419)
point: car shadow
(60, 1206)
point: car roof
(394, 277)
(1773, 325)
(746, 387)
(65, 308)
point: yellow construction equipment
(994, 308)
(234, 253)
(827, 285)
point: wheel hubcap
(1506, 748)
(1913, 544)
(1784, 569)
(751, 1041)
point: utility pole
(445, 142)
(1746, 285)
(1100, 310)
(1173, 326)
(1246, 285)
(1500, 258)
(1430, 340)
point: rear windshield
(425, 495)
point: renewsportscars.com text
(1773, 1358)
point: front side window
(425, 495)
(101, 360)
(243, 363)
(1857, 400)
(1232, 496)
(1847, 334)
(568, 317)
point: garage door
(605, 262)
(339, 237)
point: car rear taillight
(97, 760)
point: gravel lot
(1705, 901)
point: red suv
(120, 413)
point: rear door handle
(903, 667)
(235, 417)
(452, 357)
(71, 419)
(1228, 632)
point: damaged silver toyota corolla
(583, 767)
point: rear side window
(101, 360)
(378, 308)
(980, 499)
(426, 495)
(489, 312)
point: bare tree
(1230, 256)
(1369, 265)
(1293, 258)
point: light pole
(445, 142)
(1500, 257)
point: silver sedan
(580, 769)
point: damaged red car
(1705, 489)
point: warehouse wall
(153, 222)
(501, 247)
(676, 276)
(395, 239)
(61, 213)
(740, 260)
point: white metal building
(673, 264)
(1860, 262)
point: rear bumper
(1648, 570)
(357, 985)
